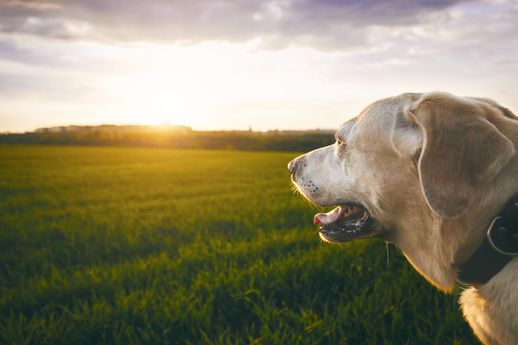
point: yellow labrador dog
(429, 172)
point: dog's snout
(295, 165)
(292, 166)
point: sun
(154, 100)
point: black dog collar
(498, 248)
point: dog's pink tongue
(329, 217)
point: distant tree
(174, 137)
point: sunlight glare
(149, 99)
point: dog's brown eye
(339, 140)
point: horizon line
(166, 125)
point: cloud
(329, 24)
(270, 64)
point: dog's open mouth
(345, 223)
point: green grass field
(156, 246)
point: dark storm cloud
(319, 23)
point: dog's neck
(445, 244)
(424, 246)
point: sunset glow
(70, 63)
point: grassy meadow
(104, 245)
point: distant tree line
(172, 136)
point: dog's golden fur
(433, 170)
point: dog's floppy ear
(460, 151)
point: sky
(228, 64)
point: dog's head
(404, 163)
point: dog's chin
(346, 222)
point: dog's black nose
(292, 166)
